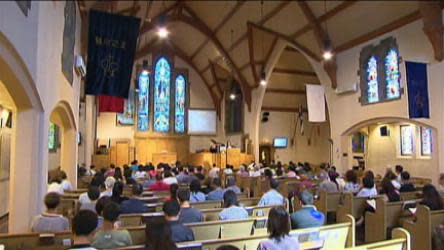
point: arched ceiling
(234, 35)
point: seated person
(66, 185)
(431, 198)
(179, 232)
(218, 193)
(100, 205)
(441, 184)
(140, 173)
(232, 210)
(406, 185)
(368, 188)
(196, 195)
(159, 185)
(133, 204)
(109, 236)
(168, 178)
(84, 226)
(199, 173)
(158, 236)
(307, 216)
(272, 197)
(117, 195)
(50, 220)
(93, 195)
(187, 213)
(109, 185)
(228, 170)
(55, 185)
(278, 226)
(351, 182)
(231, 185)
(214, 172)
(173, 192)
(388, 189)
(326, 184)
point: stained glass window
(392, 74)
(143, 102)
(406, 140)
(372, 80)
(426, 141)
(180, 104)
(162, 77)
(52, 134)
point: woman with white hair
(109, 185)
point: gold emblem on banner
(109, 66)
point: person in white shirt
(214, 172)
(66, 185)
(55, 186)
(398, 172)
(368, 188)
(140, 174)
(228, 170)
(109, 184)
(91, 170)
(256, 172)
(168, 178)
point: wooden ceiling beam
(131, 11)
(433, 26)
(283, 109)
(258, 62)
(294, 72)
(285, 91)
(251, 54)
(219, 26)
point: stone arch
(27, 172)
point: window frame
(401, 151)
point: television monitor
(280, 142)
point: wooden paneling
(147, 146)
(122, 153)
(168, 158)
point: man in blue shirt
(307, 216)
(187, 213)
(272, 197)
(218, 193)
(134, 205)
(179, 232)
(231, 185)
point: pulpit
(164, 158)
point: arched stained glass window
(180, 103)
(372, 80)
(162, 77)
(143, 101)
(392, 74)
(426, 141)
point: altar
(233, 156)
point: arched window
(180, 104)
(372, 80)
(162, 78)
(392, 74)
(143, 101)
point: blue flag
(417, 90)
(111, 48)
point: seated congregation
(255, 207)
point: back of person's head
(137, 189)
(195, 186)
(306, 197)
(111, 212)
(405, 176)
(63, 175)
(92, 167)
(227, 247)
(230, 199)
(158, 236)
(431, 195)
(118, 189)
(84, 223)
(199, 169)
(216, 182)
(183, 194)
(370, 174)
(279, 172)
(274, 183)
(158, 177)
(101, 203)
(278, 223)
(167, 174)
(171, 208)
(268, 173)
(368, 182)
(56, 179)
(323, 175)
(109, 182)
(102, 171)
(52, 200)
(112, 166)
(389, 175)
(93, 192)
(350, 176)
(231, 181)
(398, 168)
(173, 190)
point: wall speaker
(383, 130)
(265, 116)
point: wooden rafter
(219, 26)
(150, 22)
(132, 11)
(82, 9)
(285, 91)
(216, 78)
(294, 72)
(149, 5)
(433, 26)
(257, 62)
(251, 53)
(283, 109)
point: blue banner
(417, 90)
(111, 48)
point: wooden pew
(36, 241)
(386, 216)
(406, 196)
(327, 202)
(400, 240)
(421, 229)
(352, 205)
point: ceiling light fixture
(145, 71)
(328, 48)
(232, 96)
(162, 31)
(263, 81)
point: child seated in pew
(84, 226)
(307, 216)
(351, 182)
(431, 198)
(217, 193)
(89, 203)
(109, 236)
(133, 204)
(368, 188)
(272, 196)
(187, 213)
(406, 185)
(179, 232)
(196, 195)
(231, 185)
(50, 220)
(278, 226)
(158, 235)
(232, 210)
(388, 189)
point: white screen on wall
(201, 122)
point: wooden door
(122, 152)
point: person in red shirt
(159, 185)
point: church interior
(221, 125)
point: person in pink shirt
(159, 185)
(111, 170)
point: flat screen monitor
(280, 142)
